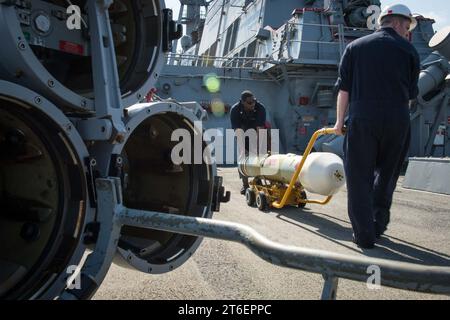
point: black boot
(363, 244)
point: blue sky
(439, 10)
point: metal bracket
(219, 194)
(171, 30)
(91, 233)
(91, 175)
(94, 129)
(108, 103)
(116, 166)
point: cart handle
(308, 149)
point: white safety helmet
(398, 10)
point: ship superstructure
(288, 53)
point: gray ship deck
(419, 232)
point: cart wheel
(301, 205)
(261, 201)
(250, 197)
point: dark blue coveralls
(240, 119)
(380, 72)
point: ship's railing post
(330, 287)
(288, 41)
(341, 39)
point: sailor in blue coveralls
(378, 77)
(247, 114)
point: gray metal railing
(182, 59)
(401, 275)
